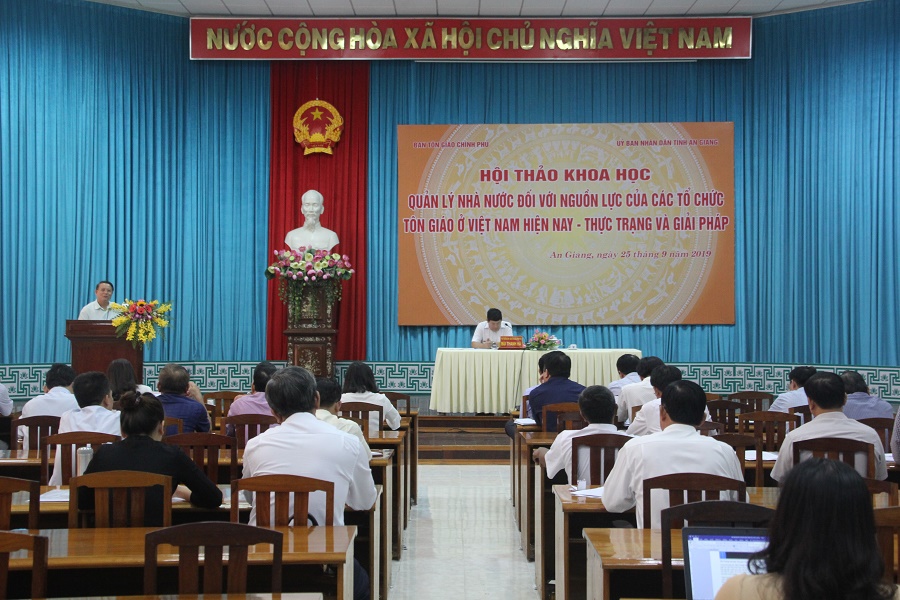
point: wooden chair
(175, 422)
(65, 445)
(741, 443)
(710, 428)
(204, 448)
(887, 528)
(876, 486)
(840, 449)
(713, 396)
(571, 420)
(360, 412)
(285, 489)
(689, 487)
(884, 427)
(770, 427)
(8, 487)
(247, 427)
(120, 498)
(219, 402)
(213, 537)
(758, 401)
(39, 547)
(555, 410)
(635, 410)
(396, 398)
(726, 412)
(803, 412)
(602, 449)
(37, 427)
(722, 513)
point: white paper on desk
(57, 495)
(377, 453)
(751, 455)
(590, 493)
(525, 422)
(889, 457)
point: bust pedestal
(311, 333)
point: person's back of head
(597, 404)
(627, 363)
(647, 364)
(59, 375)
(329, 392)
(261, 375)
(494, 314)
(291, 390)
(822, 536)
(90, 388)
(359, 379)
(558, 364)
(121, 377)
(663, 375)
(799, 375)
(854, 382)
(826, 390)
(685, 402)
(140, 414)
(174, 379)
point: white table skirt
(467, 380)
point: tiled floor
(462, 540)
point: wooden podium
(311, 333)
(95, 345)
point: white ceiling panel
(584, 8)
(331, 8)
(542, 8)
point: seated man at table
(678, 448)
(95, 413)
(795, 396)
(826, 401)
(626, 365)
(638, 394)
(557, 387)
(253, 403)
(646, 421)
(181, 399)
(860, 403)
(330, 406)
(598, 407)
(56, 399)
(488, 333)
(510, 426)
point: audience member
(821, 541)
(94, 413)
(646, 421)
(510, 427)
(142, 422)
(598, 407)
(638, 394)
(122, 379)
(99, 309)
(181, 399)
(626, 365)
(56, 399)
(678, 448)
(253, 403)
(795, 396)
(6, 403)
(860, 404)
(359, 386)
(488, 333)
(826, 401)
(557, 386)
(329, 407)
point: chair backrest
(555, 410)
(396, 398)
(741, 443)
(887, 528)
(884, 427)
(758, 401)
(635, 410)
(726, 412)
(39, 547)
(213, 537)
(120, 498)
(876, 486)
(570, 420)
(840, 449)
(66, 444)
(602, 449)
(284, 489)
(360, 412)
(220, 402)
(710, 428)
(803, 412)
(770, 427)
(37, 427)
(10, 486)
(710, 512)
(204, 448)
(690, 487)
(173, 424)
(247, 427)
(713, 396)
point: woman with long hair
(359, 386)
(122, 379)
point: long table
(467, 380)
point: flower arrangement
(303, 267)
(138, 320)
(542, 340)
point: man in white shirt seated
(488, 333)
(678, 448)
(646, 421)
(56, 399)
(795, 396)
(95, 414)
(626, 365)
(826, 401)
(637, 394)
(99, 310)
(598, 407)
(330, 406)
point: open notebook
(713, 554)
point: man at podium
(99, 310)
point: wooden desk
(514, 467)
(412, 456)
(614, 554)
(115, 559)
(527, 494)
(382, 472)
(393, 440)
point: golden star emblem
(316, 114)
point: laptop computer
(714, 554)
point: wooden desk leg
(512, 472)
(539, 532)
(531, 493)
(561, 563)
(397, 509)
(414, 458)
(375, 557)
(387, 504)
(407, 463)
(345, 577)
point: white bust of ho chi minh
(312, 234)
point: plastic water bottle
(84, 456)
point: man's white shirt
(634, 394)
(96, 419)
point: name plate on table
(511, 342)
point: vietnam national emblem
(317, 126)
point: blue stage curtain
(816, 158)
(121, 159)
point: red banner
(471, 39)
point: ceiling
(472, 8)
